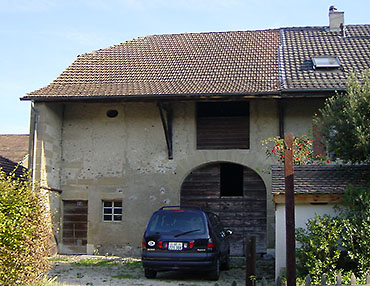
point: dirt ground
(114, 271)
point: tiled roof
(329, 179)
(220, 63)
(176, 64)
(14, 146)
(299, 45)
(9, 166)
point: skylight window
(328, 62)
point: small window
(328, 62)
(112, 113)
(112, 210)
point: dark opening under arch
(236, 193)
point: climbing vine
(302, 150)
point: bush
(330, 245)
(25, 232)
(356, 228)
(319, 252)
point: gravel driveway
(111, 270)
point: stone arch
(236, 193)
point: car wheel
(226, 264)
(214, 275)
(150, 273)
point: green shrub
(24, 232)
(356, 228)
(330, 245)
(319, 252)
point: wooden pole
(250, 257)
(289, 211)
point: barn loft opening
(222, 125)
(231, 176)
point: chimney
(336, 19)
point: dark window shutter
(223, 126)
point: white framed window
(325, 62)
(112, 211)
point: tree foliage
(344, 121)
(356, 222)
(330, 245)
(24, 232)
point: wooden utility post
(250, 264)
(289, 211)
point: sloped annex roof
(9, 167)
(316, 179)
(175, 64)
(14, 146)
(242, 63)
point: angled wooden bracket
(165, 110)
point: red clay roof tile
(177, 64)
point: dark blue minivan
(185, 238)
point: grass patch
(124, 276)
(95, 262)
(59, 259)
(132, 264)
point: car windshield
(177, 223)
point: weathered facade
(93, 158)
(171, 119)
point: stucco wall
(298, 114)
(93, 157)
(45, 160)
(303, 212)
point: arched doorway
(234, 192)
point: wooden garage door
(75, 225)
(214, 188)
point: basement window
(231, 180)
(326, 62)
(112, 211)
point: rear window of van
(173, 222)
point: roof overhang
(292, 93)
(310, 198)
(153, 97)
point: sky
(41, 38)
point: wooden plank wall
(226, 132)
(244, 215)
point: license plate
(175, 246)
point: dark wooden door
(75, 226)
(244, 214)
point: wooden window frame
(115, 205)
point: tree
(24, 231)
(344, 121)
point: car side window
(216, 223)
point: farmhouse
(178, 119)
